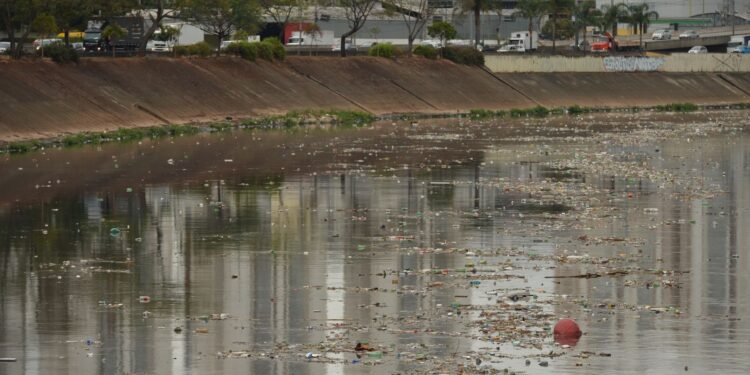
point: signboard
(440, 3)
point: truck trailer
(521, 41)
(134, 29)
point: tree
(16, 16)
(156, 11)
(222, 17)
(613, 15)
(356, 12)
(476, 7)
(111, 33)
(531, 10)
(280, 11)
(313, 29)
(44, 25)
(443, 31)
(71, 14)
(639, 18)
(585, 14)
(556, 7)
(414, 13)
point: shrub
(265, 51)
(269, 49)
(60, 53)
(181, 50)
(386, 50)
(235, 48)
(198, 49)
(201, 49)
(429, 52)
(246, 50)
(277, 48)
(464, 55)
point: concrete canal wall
(43, 99)
(676, 63)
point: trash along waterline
(330, 117)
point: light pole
(732, 17)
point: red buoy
(567, 332)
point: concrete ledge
(677, 63)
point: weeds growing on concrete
(340, 118)
(537, 111)
(481, 114)
(291, 119)
(577, 110)
(297, 118)
(677, 107)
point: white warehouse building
(688, 8)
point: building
(688, 8)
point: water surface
(443, 244)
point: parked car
(4, 47)
(158, 46)
(690, 34)
(430, 42)
(662, 34)
(78, 46)
(698, 49)
(45, 42)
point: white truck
(321, 38)
(521, 41)
(186, 34)
(739, 44)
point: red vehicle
(604, 43)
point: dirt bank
(43, 99)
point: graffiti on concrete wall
(632, 64)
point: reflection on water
(314, 240)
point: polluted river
(421, 247)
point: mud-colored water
(447, 246)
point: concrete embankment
(43, 99)
(675, 63)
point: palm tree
(556, 7)
(476, 7)
(112, 33)
(585, 14)
(612, 15)
(640, 17)
(531, 10)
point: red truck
(604, 43)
